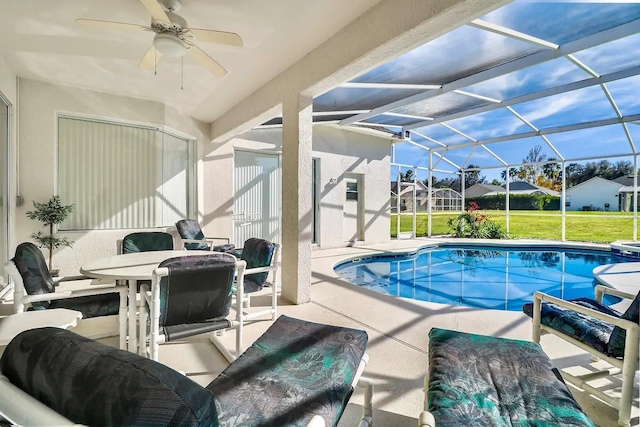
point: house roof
(626, 180)
(488, 187)
(591, 180)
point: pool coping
(522, 243)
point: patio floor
(397, 331)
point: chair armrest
(602, 290)
(538, 297)
(426, 419)
(213, 239)
(316, 421)
(20, 408)
(259, 270)
(71, 278)
(74, 294)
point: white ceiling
(41, 41)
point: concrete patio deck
(398, 344)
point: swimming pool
(494, 277)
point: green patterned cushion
(256, 253)
(34, 272)
(296, 369)
(616, 341)
(147, 241)
(584, 328)
(479, 381)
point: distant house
(443, 199)
(478, 190)
(406, 196)
(625, 199)
(518, 187)
(594, 194)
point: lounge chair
(478, 380)
(599, 330)
(297, 373)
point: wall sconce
(333, 181)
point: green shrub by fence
(517, 202)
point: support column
(506, 205)
(430, 191)
(635, 198)
(563, 203)
(297, 136)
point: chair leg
(274, 302)
(142, 336)
(122, 318)
(367, 407)
(537, 314)
(624, 413)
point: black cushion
(97, 385)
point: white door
(352, 221)
(257, 201)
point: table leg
(133, 336)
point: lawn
(601, 227)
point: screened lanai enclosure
(556, 78)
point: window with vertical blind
(120, 175)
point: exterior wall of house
(38, 104)
(340, 151)
(595, 192)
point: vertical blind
(119, 175)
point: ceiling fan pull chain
(155, 62)
(182, 73)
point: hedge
(517, 202)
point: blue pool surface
(493, 277)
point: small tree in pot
(49, 214)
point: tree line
(537, 169)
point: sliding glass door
(4, 184)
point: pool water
(502, 278)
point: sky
(468, 49)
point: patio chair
(599, 330)
(35, 289)
(194, 239)
(261, 257)
(189, 296)
(297, 373)
(145, 241)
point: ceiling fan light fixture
(169, 45)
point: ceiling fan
(173, 36)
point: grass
(600, 227)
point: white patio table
(132, 267)
(12, 325)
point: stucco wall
(340, 151)
(594, 192)
(38, 105)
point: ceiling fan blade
(214, 36)
(206, 61)
(111, 24)
(156, 11)
(150, 59)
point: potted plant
(49, 214)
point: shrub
(473, 224)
